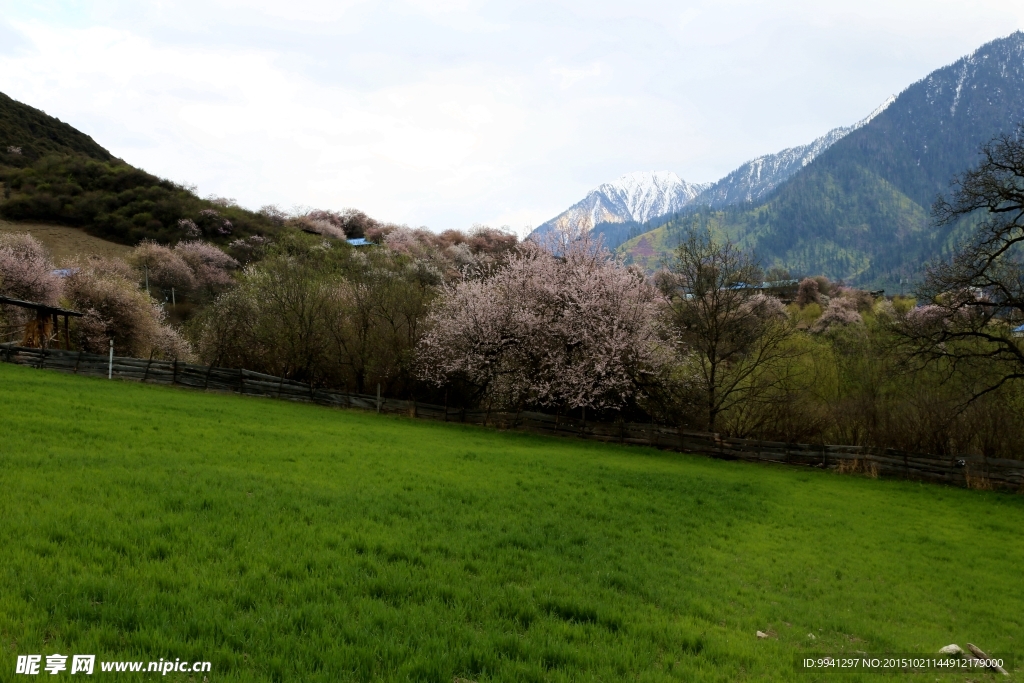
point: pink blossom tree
(107, 292)
(841, 312)
(161, 267)
(572, 331)
(211, 267)
(193, 268)
(808, 292)
(26, 271)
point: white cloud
(452, 112)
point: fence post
(378, 398)
(110, 363)
(145, 375)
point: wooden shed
(45, 328)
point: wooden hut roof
(40, 308)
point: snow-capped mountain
(756, 178)
(632, 198)
(637, 198)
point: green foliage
(839, 220)
(855, 383)
(293, 542)
(36, 134)
(322, 312)
(58, 174)
(118, 202)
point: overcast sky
(456, 112)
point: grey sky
(456, 112)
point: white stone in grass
(812, 636)
(953, 649)
(761, 634)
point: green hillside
(860, 211)
(52, 173)
(34, 134)
(838, 219)
(286, 542)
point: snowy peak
(633, 198)
(643, 196)
(756, 178)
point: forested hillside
(861, 210)
(54, 173)
(26, 134)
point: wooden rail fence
(965, 471)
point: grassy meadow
(65, 243)
(289, 542)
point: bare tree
(976, 299)
(733, 335)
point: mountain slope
(53, 173)
(860, 210)
(630, 200)
(755, 179)
(26, 134)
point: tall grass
(290, 542)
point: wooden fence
(966, 471)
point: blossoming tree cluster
(572, 330)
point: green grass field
(298, 543)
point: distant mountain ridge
(633, 198)
(860, 210)
(755, 179)
(621, 207)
